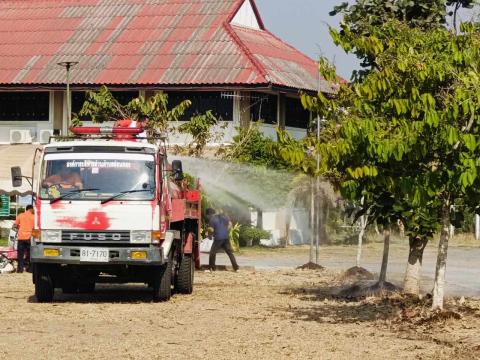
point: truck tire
(184, 280)
(162, 283)
(43, 284)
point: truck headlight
(51, 236)
(140, 237)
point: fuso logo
(95, 221)
(95, 236)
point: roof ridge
(290, 46)
(341, 79)
(246, 51)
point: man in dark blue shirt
(219, 226)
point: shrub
(251, 236)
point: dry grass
(288, 314)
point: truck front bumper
(117, 255)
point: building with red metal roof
(215, 52)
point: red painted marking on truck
(57, 205)
(154, 204)
(95, 220)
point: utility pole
(68, 65)
(312, 217)
(317, 244)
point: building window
(24, 106)
(220, 105)
(263, 107)
(295, 115)
(78, 98)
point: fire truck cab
(112, 209)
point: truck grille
(96, 236)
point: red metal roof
(138, 42)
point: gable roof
(144, 42)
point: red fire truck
(110, 208)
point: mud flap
(170, 236)
(188, 248)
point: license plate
(94, 255)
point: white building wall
(34, 127)
(226, 130)
(297, 133)
(246, 17)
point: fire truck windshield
(98, 176)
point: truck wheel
(43, 284)
(162, 283)
(184, 283)
(87, 287)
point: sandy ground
(281, 314)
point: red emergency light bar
(94, 130)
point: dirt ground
(283, 314)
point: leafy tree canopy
(101, 106)
(364, 15)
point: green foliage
(101, 106)
(234, 237)
(251, 235)
(409, 138)
(200, 128)
(298, 154)
(363, 16)
(252, 147)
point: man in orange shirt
(24, 224)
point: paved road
(463, 267)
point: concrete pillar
(477, 227)
(149, 93)
(245, 109)
(236, 108)
(58, 112)
(281, 111)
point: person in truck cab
(24, 225)
(65, 179)
(219, 226)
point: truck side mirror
(177, 170)
(16, 176)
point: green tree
(362, 16)
(101, 106)
(251, 146)
(411, 128)
(200, 129)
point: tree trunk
(325, 222)
(386, 248)
(376, 228)
(288, 222)
(439, 284)
(363, 224)
(411, 283)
